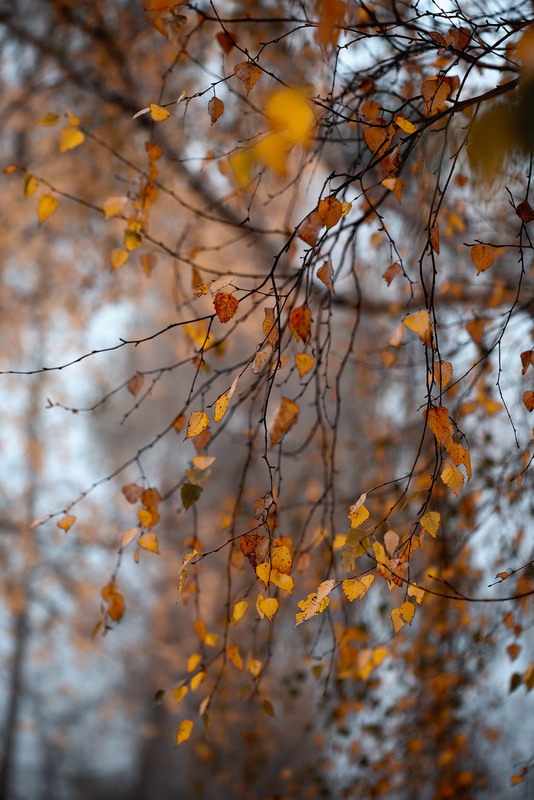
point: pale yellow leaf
(304, 362)
(430, 522)
(184, 731)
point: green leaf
(190, 494)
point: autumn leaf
(269, 327)
(354, 589)
(290, 113)
(430, 522)
(248, 73)
(358, 512)
(179, 693)
(528, 400)
(238, 610)
(66, 522)
(325, 273)
(127, 537)
(30, 184)
(309, 228)
(300, 320)
(215, 109)
(149, 542)
(232, 651)
(483, 256)
(118, 258)
(420, 324)
(330, 211)
(198, 422)
(267, 607)
(286, 417)
(304, 362)
(392, 272)
(435, 91)
(47, 205)
(158, 113)
(404, 124)
(184, 731)
(227, 40)
(437, 419)
(114, 601)
(453, 478)
(136, 383)
(225, 306)
(525, 212)
(114, 205)
(441, 372)
(70, 138)
(49, 119)
(315, 603)
(378, 137)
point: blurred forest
(266, 289)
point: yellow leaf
(221, 404)
(114, 205)
(430, 522)
(197, 679)
(30, 184)
(72, 119)
(158, 113)
(345, 209)
(132, 239)
(269, 606)
(263, 572)
(192, 662)
(149, 542)
(148, 517)
(304, 362)
(285, 418)
(233, 654)
(70, 138)
(420, 324)
(397, 620)
(281, 559)
(198, 422)
(357, 512)
(407, 610)
(415, 591)
(283, 581)
(356, 588)
(49, 119)
(184, 731)
(404, 124)
(289, 111)
(118, 258)
(254, 667)
(238, 610)
(453, 478)
(47, 205)
(66, 522)
(273, 149)
(180, 693)
(315, 603)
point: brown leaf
(325, 273)
(225, 306)
(135, 383)
(215, 108)
(300, 320)
(527, 360)
(392, 272)
(378, 137)
(525, 212)
(435, 91)
(269, 327)
(114, 600)
(309, 228)
(528, 400)
(227, 40)
(248, 73)
(132, 492)
(286, 417)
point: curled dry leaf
(309, 228)
(216, 109)
(248, 73)
(300, 320)
(325, 274)
(392, 272)
(286, 417)
(269, 327)
(259, 360)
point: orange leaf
(483, 256)
(437, 420)
(114, 600)
(453, 478)
(528, 400)
(248, 73)
(118, 258)
(435, 91)
(135, 383)
(225, 306)
(66, 522)
(300, 320)
(325, 273)
(285, 418)
(442, 372)
(392, 272)
(420, 324)
(330, 211)
(226, 40)
(269, 327)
